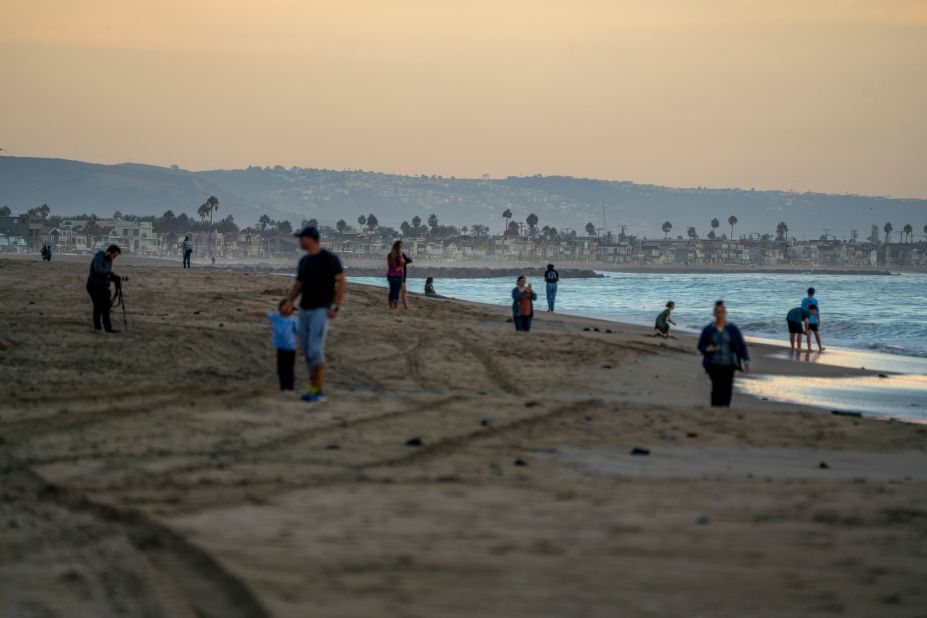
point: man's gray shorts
(313, 324)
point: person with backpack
(552, 278)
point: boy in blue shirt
(814, 321)
(285, 327)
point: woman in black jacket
(723, 352)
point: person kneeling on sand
(285, 328)
(523, 298)
(661, 327)
(723, 352)
(797, 320)
(430, 288)
(321, 285)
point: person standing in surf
(552, 278)
(814, 320)
(724, 351)
(797, 320)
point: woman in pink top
(395, 263)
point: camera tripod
(119, 300)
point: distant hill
(73, 187)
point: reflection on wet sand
(896, 396)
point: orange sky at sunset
(808, 95)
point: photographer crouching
(101, 273)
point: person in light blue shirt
(814, 321)
(285, 326)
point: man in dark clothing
(101, 273)
(320, 282)
(552, 278)
(797, 320)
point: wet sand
(159, 473)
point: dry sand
(159, 473)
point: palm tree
(341, 226)
(416, 224)
(888, 232)
(532, 221)
(362, 220)
(372, 222)
(433, 221)
(908, 229)
(590, 229)
(91, 229)
(507, 214)
(782, 231)
(691, 233)
(733, 221)
(666, 227)
(263, 222)
(714, 225)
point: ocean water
(867, 312)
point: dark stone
(484, 422)
(608, 330)
(842, 413)
(520, 462)
(414, 442)
(332, 447)
(640, 451)
(692, 434)
(703, 520)
(530, 404)
(882, 375)
(823, 466)
(586, 329)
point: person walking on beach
(321, 285)
(797, 320)
(395, 267)
(552, 278)
(101, 273)
(285, 329)
(403, 291)
(661, 327)
(523, 298)
(814, 321)
(186, 249)
(724, 351)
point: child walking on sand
(285, 327)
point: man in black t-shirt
(551, 277)
(320, 282)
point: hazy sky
(827, 95)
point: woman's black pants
(722, 383)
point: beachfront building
(21, 233)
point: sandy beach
(159, 472)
